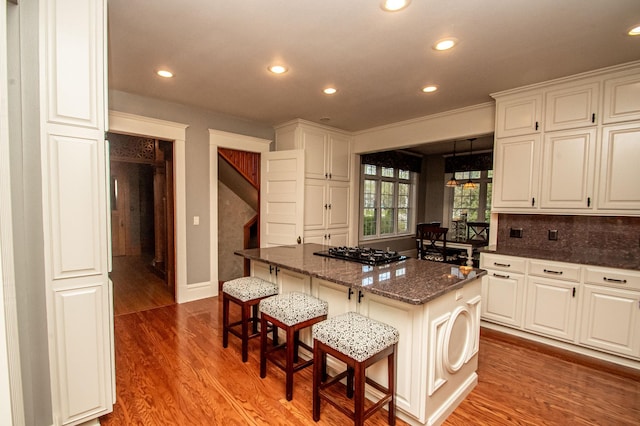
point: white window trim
(412, 205)
(448, 197)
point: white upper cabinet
(621, 99)
(572, 107)
(568, 169)
(620, 159)
(339, 156)
(327, 151)
(519, 116)
(583, 164)
(314, 143)
(515, 177)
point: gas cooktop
(368, 256)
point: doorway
(142, 222)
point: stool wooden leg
(225, 321)
(359, 373)
(254, 323)
(296, 345)
(290, 353)
(274, 335)
(392, 385)
(263, 347)
(349, 382)
(246, 313)
(318, 377)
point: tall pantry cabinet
(75, 203)
(327, 154)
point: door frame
(121, 122)
(221, 139)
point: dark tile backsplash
(608, 235)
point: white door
(281, 198)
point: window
(475, 202)
(388, 197)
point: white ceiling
(378, 61)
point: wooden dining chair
(478, 231)
(431, 242)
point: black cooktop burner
(368, 256)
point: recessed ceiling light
(634, 31)
(429, 89)
(445, 44)
(329, 91)
(278, 69)
(165, 73)
(394, 5)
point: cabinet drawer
(613, 277)
(502, 263)
(557, 271)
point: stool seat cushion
(355, 335)
(293, 308)
(249, 288)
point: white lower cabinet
(502, 297)
(287, 280)
(591, 307)
(551, 299)
(611, 320)
(551, 308)
(503, 289)
(611, 311)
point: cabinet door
(339, 153)
(316, 206)
(551, 307)
(262, 270)
(502, 298)
(515, 176)
(611, 320)
(568, 169)
(622, 99)
(314, 143)
(338, 205)
(569, 108)
(341, 298)
(407, 319)
(519, 116)
(316, 237)
(619, 160)
(338, 237)
(292, 281)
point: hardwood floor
(136, 287)
(172, 370)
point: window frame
(483, 200)
(412, 202)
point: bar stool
(246, 292)
(359, 342)
(292, 312)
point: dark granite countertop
(589, 257)
(411, 281)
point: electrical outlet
(553, 235)
(515, 232)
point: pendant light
(469, 184)
(452, 183)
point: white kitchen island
(435, 307)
